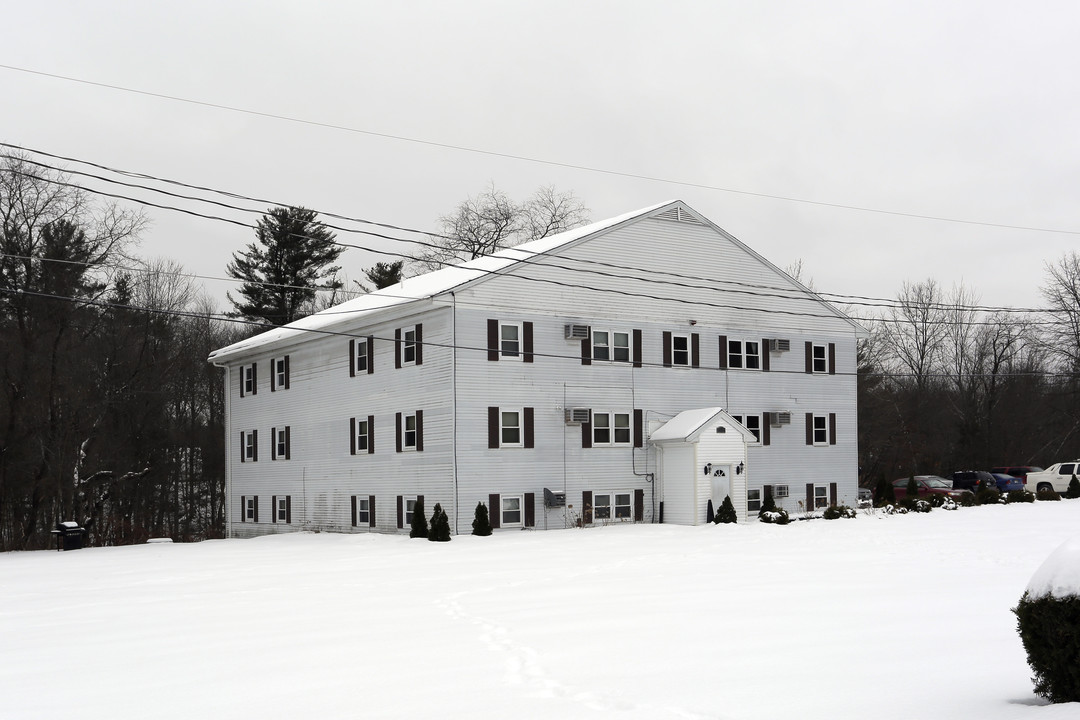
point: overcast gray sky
(961, 110)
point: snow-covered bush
(1019, 496)
(1047, 494)
(835, 512)
(949, 504)
(726, 515)
(775, 517)
(895, 510)
(936, 499)
(912, 504)
(768, 505)
(1048, 620)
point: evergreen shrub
(481, 524)
(775, 517)
(1073, 491)
(936, 499)
(987, 495)
(1050, 631)
(768, 505)
(419, 527)
(967, 498)
(884, 493)
(1019, 496)
(727, 512)
(835, 512)
(440, 525)
(1047, 494)
(912, 488)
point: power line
(525, 158)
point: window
(680, 350)
(751, 423)
(780, 491)
(820, 359)
(510, 340)
(613, 506)
(361, 358)
(282, 508)
(408, 347)
(821, 496)
(249, 446)
(362, 429)
(744, 354)
(610, 428)
(1066, 469)
(249, 384)
(610, 346)
(753, 500)
(602, 506)
(510, 510)
(363, 510)
(409, 432)
(821, 430)
(624, 509)
(279, 373)
(250, 508)
(410, 506)
(279, 443)
(510, 428)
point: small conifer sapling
(481, 524)
(726, 514)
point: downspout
(649, 477)
(453, 410)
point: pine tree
(293, 258)
(419, 522)
(912, 488)
(383, 274)
(481, 525)
(727, 512)
(440, 525)
(884, 494)
(1073, 491)
(768, 504)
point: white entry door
(721, 484)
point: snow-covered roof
(1059, 575)
(687, 425)
(421, 287)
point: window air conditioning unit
(776, 419)
(554, 498)
(577, 332)
(577, 416)
(776, 345)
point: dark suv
(969, 479)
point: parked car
(970, 479)
(1057, 477)
(928, 485)
(1007, 483)
(1020, 471)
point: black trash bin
(69, 536)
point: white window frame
(362, 434)
(623, 511)
(504, 427)
(821, 362)
(281, 512)
(610, 349)
(409, 507)
(821, 497)
(281, 445)
(753, 499)
(780, 491)
(248, 378)
(613, 428)
(505, 511)
(280, 375)
(751, 420)
(405, 431)
(361, 358)
(249, 510)
(505, 352)
(408, 346)
(675, 337)
(249, 446)
(820, 428)
(362, 506)
(613, 510)
(739, 356)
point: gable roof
(688, 425)
(429, 285)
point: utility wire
(526, 158)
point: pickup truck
(1056, 476)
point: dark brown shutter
(243, 508)
(809, 428)
(273, 377)
(667, 349)
(397, 426)
(832, 494)
(528, 419)
(397, 348)
(288, 442)
(586, 434)
(370, 354)
(764, 354)
(530, 509)
(809, 496)
(400, 512)
(354, 511)
(527, 341)
(371, 434)
(493, 428)
(809, 356)
(639, 427)
(765, 428)
(419, 345)
(243, 448)
(832, 428)
(766, 492)
(586, 506)
(695, 350)
(586, 351)
(639, 505)
(493, 339)
(288, 508)
(255, 501)
(254, 445)
(371, 510)
(494, 511)
(637, 348)
(273, 443)
(419, 431)
(286, 372)
(241, 381)
(352, 358)
(832, 358)
(723, 352)
(273, 508)
(352, 436)
(254, 378)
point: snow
(684, 424)
(420, 287)
(904, 616)
(1059, 575)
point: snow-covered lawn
(877, 617)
